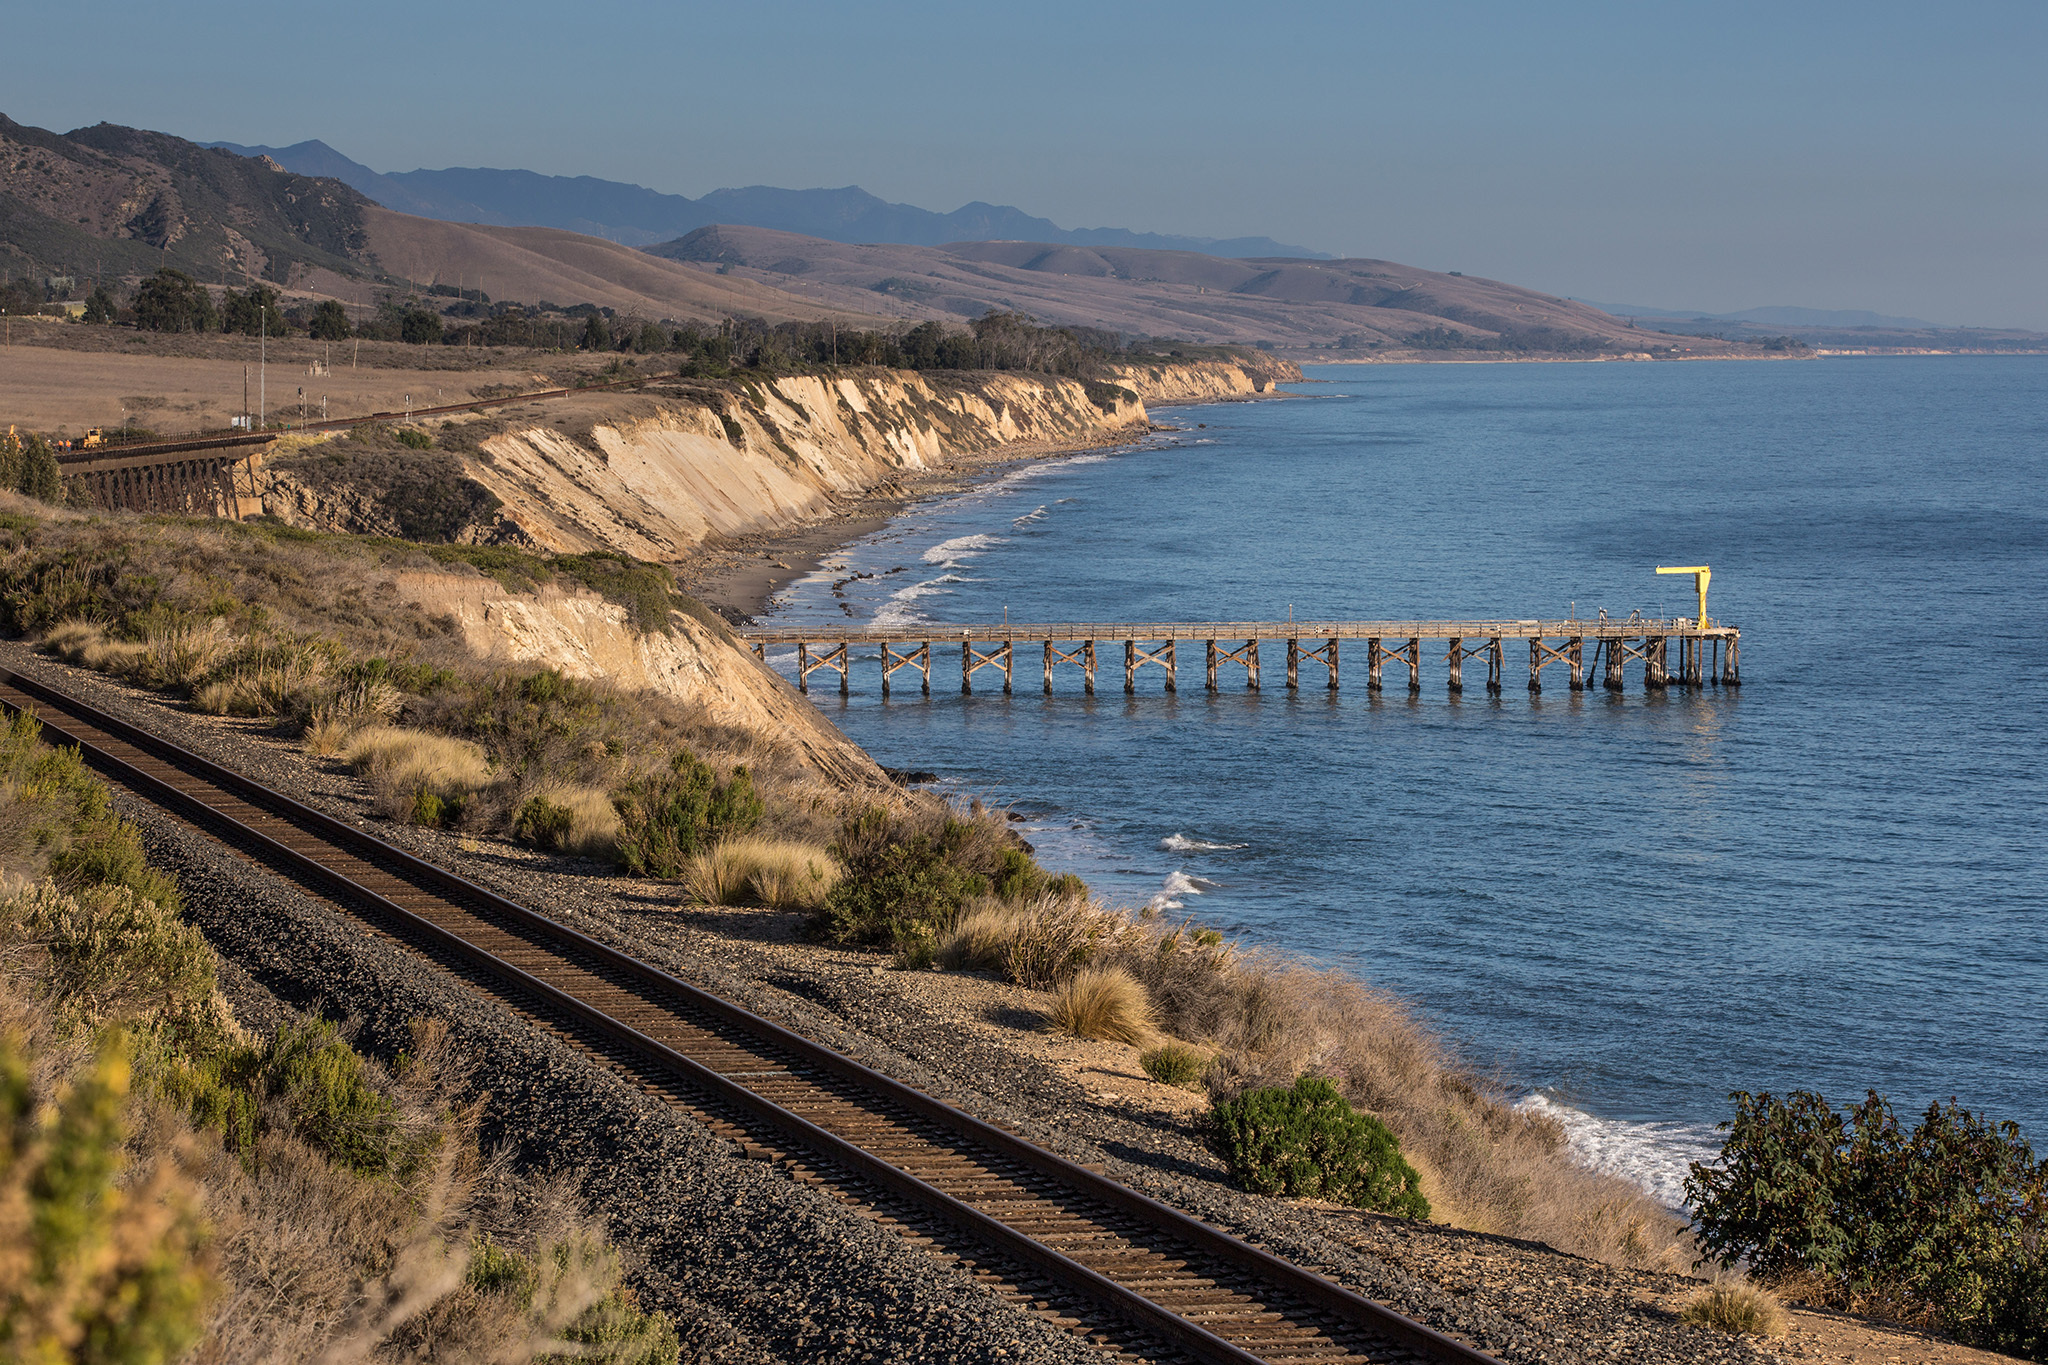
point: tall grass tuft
(1105, 1003)
(1737, 1307)
(416, 775)
(777, 874)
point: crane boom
(1701, 576)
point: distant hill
(1352, 305)
(637, 216)
(108, 199)
(1774, 316)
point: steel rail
(1140, 1310)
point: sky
(1714, 157)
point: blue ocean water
(1627, 905)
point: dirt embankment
(658, 473)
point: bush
(1176, 1064)
(1308, 1142)
(94, 1265)
(1736, 1307)
(664, 817)
(1946, 1224)
(412, 438)
(1102, 1002)
(907, 877)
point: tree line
(172, 301)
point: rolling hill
(1353, 305)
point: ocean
(1626, 906)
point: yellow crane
(1701, 576)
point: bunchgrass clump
(1737, 1307)
(776, 874)
(1176, 1064)
(1308, 1142)
(417, 775)
(581, 821)
(1102, 1002)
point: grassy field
(176, 384)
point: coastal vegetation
(1943, 1224)
(1306, 1141)
(173, 1186)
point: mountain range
(1775, 316)
(634, 215)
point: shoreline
(739, 576)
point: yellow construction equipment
(92, 438)
(1701, 576)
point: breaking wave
(1181, 843)
(1177, 885)
(1655, 1156)
(951, 552)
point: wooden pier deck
(1709, 653)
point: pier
(1682, 652)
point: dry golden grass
(85, 644)
(780, 874)
(1737, 1307)
(1105, 1003)
(1266, 1020)
(401, 764)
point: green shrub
(1176, 1064)
(542, 823)
(1308, 1142)
(664, 817)
(1946, 1222)
(414, 439)
(902, 884)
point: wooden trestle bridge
(1707, 653)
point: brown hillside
(1359, 304)
(528, 265)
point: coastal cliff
(654, 474)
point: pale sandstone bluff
(590, 638)
(653, 475)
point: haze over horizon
(1877, 157)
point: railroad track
(1135, 1276)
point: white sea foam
(951, 552)
(1655, 1156)
(899, 611)
(1181, 843)
(1030, 517)
(1176, 885)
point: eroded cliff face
(654, 474)
(698, 663)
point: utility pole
(262, 355)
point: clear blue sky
(1715, 156)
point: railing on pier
(1708, 652)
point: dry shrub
(416, 775)
(778, 874)
(1102, 1002)
(1737, 1307)
(1059, 935)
